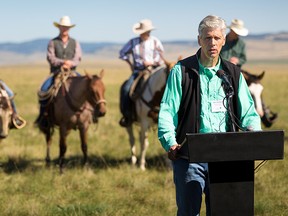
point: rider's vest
(189, 110)
(62, 52)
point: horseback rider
(63, 54)
(18, 122)
(147, 53)
(234, 49)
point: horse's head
(96, 96)
(256, 89)
(252, 78)
(5, 113)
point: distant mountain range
(259, 47)
(40, 45)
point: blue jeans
(10, 94)
(125, 100)
(191, 181)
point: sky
(112, 20)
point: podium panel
(236, 146)
(230, 157)
(231, 188)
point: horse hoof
(61, 171)
(134, 160)
(48, 163)
(86, 165)
(143, 168)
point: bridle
(93, 100)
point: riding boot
(42, 117)
(127, 119)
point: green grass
(109, 185)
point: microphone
(227, 84)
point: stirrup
(19, 122)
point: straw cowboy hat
(64, 21)
(143, 26)
(238, 27)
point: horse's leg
(83, 137)
(48, 138)
(62, 145)
(132, 145)
(143, 136)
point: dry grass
(109, 186)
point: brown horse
(5, 113)
(253, 81)
(79, 102)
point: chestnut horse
(79, 101)
(5, 113)
(256, 88)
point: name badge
(217, 106)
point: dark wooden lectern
(230, 158)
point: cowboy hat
(64, 21)
(143, 26)
(238, 27)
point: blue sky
(112, 20)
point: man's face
(211, 42)
(64, 30)
(144, 36)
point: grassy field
(109, 185)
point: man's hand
(234, 60)
(67, 65)
(148, 63)
(172, 153)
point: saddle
(59, 79)
(139, 84)
(137, 89)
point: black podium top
(236, 146)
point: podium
(231, 157)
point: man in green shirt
(195, 101)
(234, 49)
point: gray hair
(214, 22)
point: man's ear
(199, 40)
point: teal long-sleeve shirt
(213, 114)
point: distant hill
(35, 50)
(40, 45)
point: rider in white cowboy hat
(234, 49)
(64, 21)
(63, 53)
(147, 52)
(143, 26)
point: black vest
(66, 53)
(189, 110)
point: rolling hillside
(259, 47)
